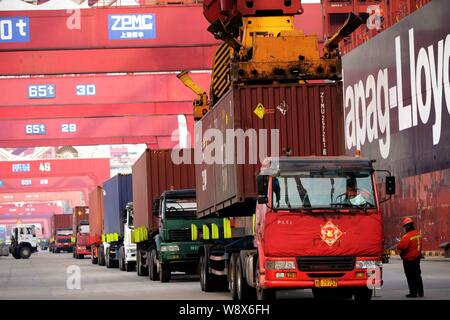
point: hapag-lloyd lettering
(368, 102)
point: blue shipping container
(117, 192)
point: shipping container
(410, 135)
(306, 118)
(153, 173)
(61, 221)
(79, 214)
(378, 15)
(96, 215)
(117, 192)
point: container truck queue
(296, 225)
(290, 222)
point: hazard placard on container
(260, 111)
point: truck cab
(318, 226)
(81, 246)
(127, 250)
(23, 241)
(63, 240)
(174, 249)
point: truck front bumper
(309, 284)
(83, 250)
(187, 253)
(130, 254)
(296, 279)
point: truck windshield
(181, 208)
(323, 191)
(84, 229)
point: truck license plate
(325, 283)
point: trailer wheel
(232, 276)
(142, 271)
(165, 273)
(152, 266)
(121, 259)
(243, 290)
(363, 294)
(206, 279)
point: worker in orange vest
(410, 247)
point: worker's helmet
(407, 220)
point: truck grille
(311, 264)
(180, 235)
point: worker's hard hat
(407, 220)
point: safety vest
(411, 245)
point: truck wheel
(232, 276)
(263, 294)
(121, 260)
(58, 251)
(94, 259)
(81, 256)
(165, 273)
(363, 294)
(101, 256)
(130, 266)
(107, 261)
(152, 266)
(25, 252)
(15, 254)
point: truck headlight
(280, 265)
(368, 264)
(170, 248)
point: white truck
(23, 241)
(127, 250)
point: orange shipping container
(153, 173)
(96, 215)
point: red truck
(80, 227)
(96, 225)
(61, 233)
(290, 222)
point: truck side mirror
(390, 185)
(262, 183)
(155, 207)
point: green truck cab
(174, 249)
